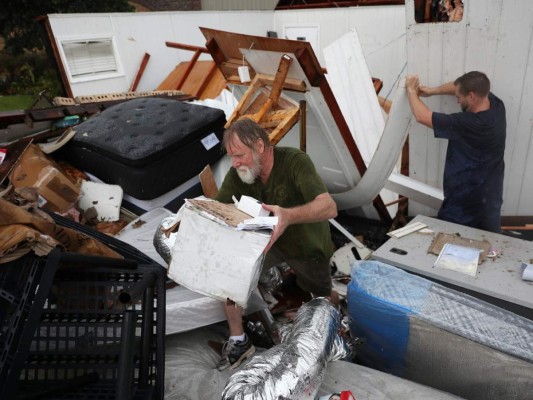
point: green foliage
(9, 103)
(24, 66)
(22, 31)
(28, 73)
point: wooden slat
(46, 114)
(285, 126)
(140, 72)
(209, 185)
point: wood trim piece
(57, 56)
(140, 72)
(188, 47)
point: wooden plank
(209, 185)
(82, 109)
(205, 80)
(172, 79)
(277, 87)
(188, 70)
(183, 46)
(283, 128)
(140, 72)
(46, 114)
(11, 117)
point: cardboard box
(216, 259)
(34, 169)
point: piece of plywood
(350, 81)
(205, 81)
(207, 180)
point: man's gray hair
(248, 132)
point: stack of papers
(257, 223)
(458, 258)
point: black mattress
(148, 146)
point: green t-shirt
(293, 182)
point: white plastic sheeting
(191, 374)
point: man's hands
(420, 111)
(283, 222)
(321, 208)
(412, 82)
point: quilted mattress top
(141, 130)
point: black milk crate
(100, 334)
(24, 287)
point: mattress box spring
(148, 146)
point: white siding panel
(512, 77)
(495, 37)
(139, 33)
(381, 31)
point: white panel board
(384, 48)
(130, 32)
(351, 83)
(495, 37)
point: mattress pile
(437, 336)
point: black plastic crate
(24, 287)
(100, 334)
(124, 249)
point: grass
(11, 103)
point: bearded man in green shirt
(286, 182)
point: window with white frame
(87, 58)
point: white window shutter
(90, 57)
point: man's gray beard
(248, 174)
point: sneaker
(235, 352)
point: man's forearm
(447, 88)
(322, 208)
(421, 112)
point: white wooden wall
(381, 31)
(496, 37)
(137, 33)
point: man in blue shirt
(474, 168)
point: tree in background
(25, 67)
(21, 30)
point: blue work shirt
(474, 168)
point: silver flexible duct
(295, 368)
(165, 236)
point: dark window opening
(439, 10)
